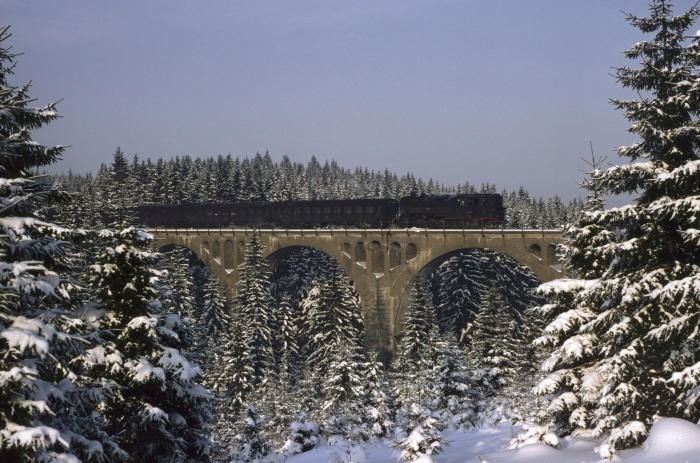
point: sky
(508, 92)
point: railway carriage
(356, 213)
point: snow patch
(670, 440)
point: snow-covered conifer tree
(454, 394)
(420, 435)
(303, 435)
(230, 380)
(213, 324)
(178, 298)
(255, 307)
(494, 349)
(287, 342)
(43, 413)
(458, 284)
(417, 354)
(155, 405)
(119, 193)
(623, 332)
(418, 335)
(335, 332)
(252, 446)
(343, 387)
(335, 318)
(376, 404)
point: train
(424, 211)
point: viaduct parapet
(382, 263)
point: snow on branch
(691, 235)
(21, 340)
(143, 370)
(680, 173)
(173, 361)
(685, 291)
(38, 436)
(564, 321)
(564, 285)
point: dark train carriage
(205, 215)
(452, 211)
(342, 212)
(290, 214)
(232, 214)
(160, 215)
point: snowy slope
(670, 441)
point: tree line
(229, 179)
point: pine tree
(178, 298)
(495, 351)
(231, 380)
(502, 359)
(253, 448)
(303, 436)
(457, 286)
(154, 405)
(213, 325)
(377, 405)
(421, 435)
(624, 334)
(334, 317)
(343, 384)
(335, 332)
(417, 354)
(418, 339)
(44, 413)
(288, 347)
(120, 199)
(454, 395)
(595, 200)
(256, 307)
(306, 394)
(277, 404)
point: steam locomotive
(429, 211)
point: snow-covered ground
(670, 441)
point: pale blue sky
(506, 92)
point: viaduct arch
(382, 263)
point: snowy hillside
(671, 441)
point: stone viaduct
(382, 263)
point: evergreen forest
(225, 179)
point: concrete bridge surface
(382, 263)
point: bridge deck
(331, 231)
